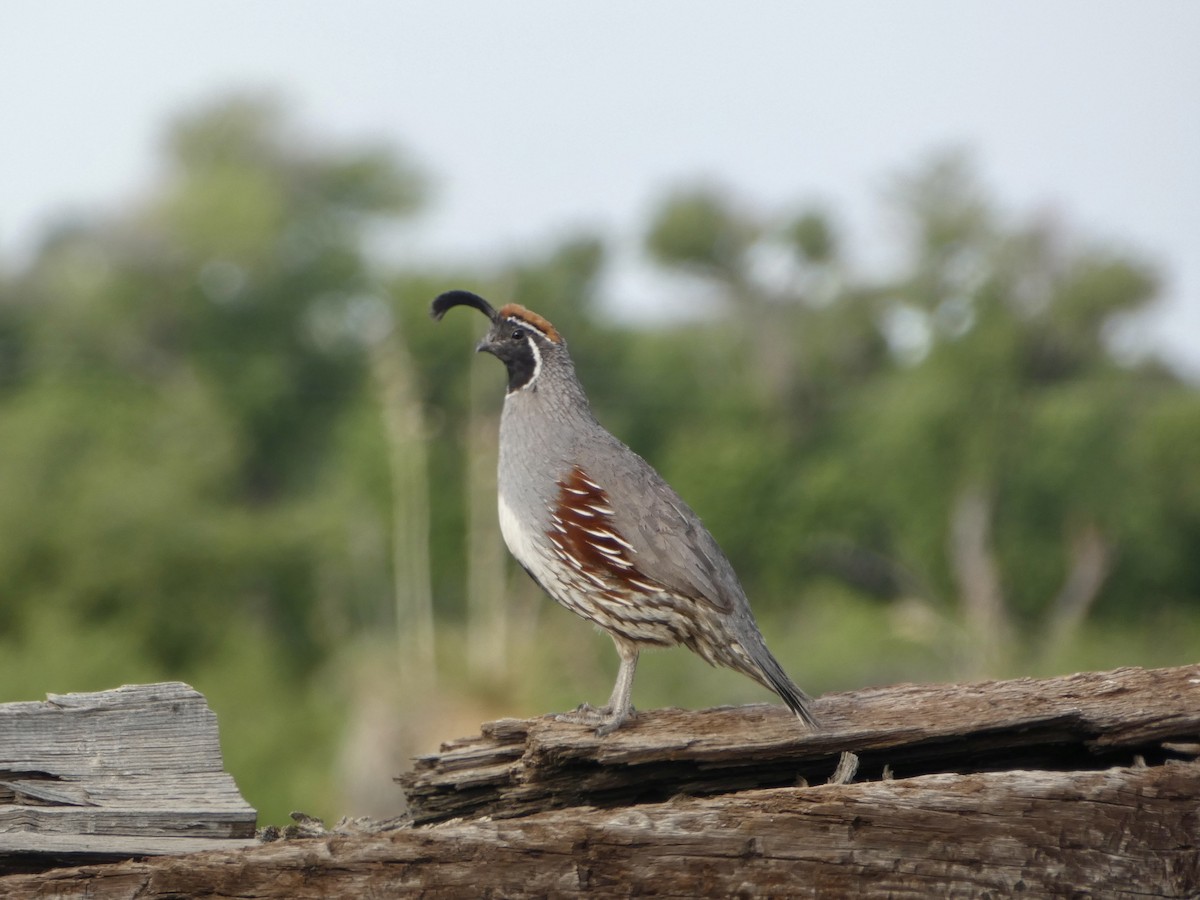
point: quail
(600, 531)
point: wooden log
(1086, 721)
(992, 789)
(127, 772)
(1124, 832)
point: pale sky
(538, 116)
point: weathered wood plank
(132, 771)
(132, 729)
(1088, 721)
(1123, 832)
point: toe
(612, 724)
(585, 714)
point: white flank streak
(606, 535)
(600, 510)
(593, 579)
(646, 587)
(577, 491)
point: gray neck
(541, 428)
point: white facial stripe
(537, 364)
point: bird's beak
(484, 346)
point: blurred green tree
(269, 233)
(962, 434)
(1007, 374)
(214, 316)
(180, 385)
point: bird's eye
(518, 334)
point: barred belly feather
(592, 570)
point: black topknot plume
(451, 299)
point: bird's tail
(770, 674)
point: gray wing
(672, 545)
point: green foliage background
(944, 472)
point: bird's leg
(609, 718)
(620, 704)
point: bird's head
(519, 338)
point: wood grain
(131, 771)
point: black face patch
(513, 344)
(522, 364)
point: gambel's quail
(600, 531)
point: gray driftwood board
(135, 771)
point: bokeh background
(903, 298)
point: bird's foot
(585, 714)
(604, 719)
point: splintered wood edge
(127, 695)
(1095, 711)
(1081, 699)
